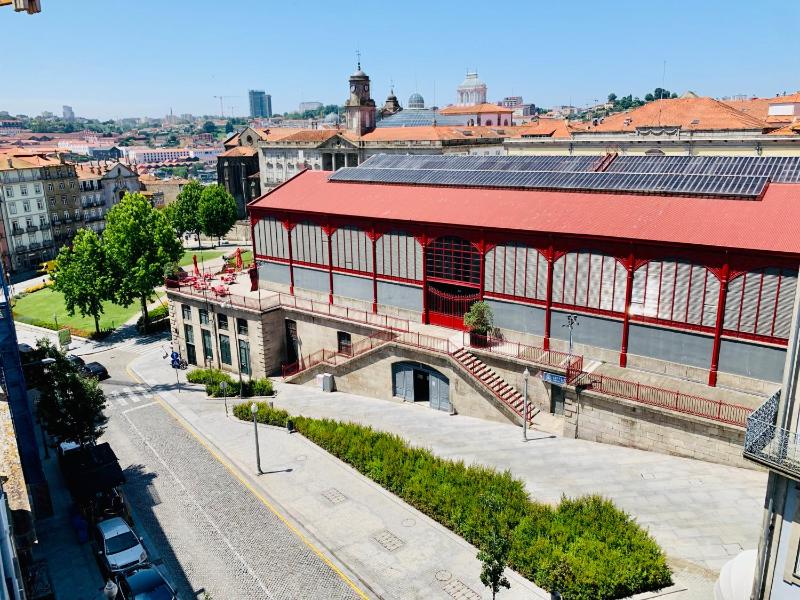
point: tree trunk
(199, 243)
(96, 324)
(145, 317)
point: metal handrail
(767, 443)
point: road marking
(235, 472)
(135, 398)
(127, 410)
(142, 390)
(118, 398)
(208, 518)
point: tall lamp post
(254, 410)
(572, 322)
(525, 375)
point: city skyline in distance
(185, 61)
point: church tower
(359, 108)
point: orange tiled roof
(546, 127)
(239, 151)
(788, 129)
(698, 114)
(475, 109)
(759, 107)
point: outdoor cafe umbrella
(196, 269)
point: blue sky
(109, 58)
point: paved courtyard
(699, 512)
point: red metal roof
(771, 224)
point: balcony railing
(769, 444)
(31, 228)
(17, 231)
(44, 225)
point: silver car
(118, 547)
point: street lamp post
(254, 410)
(525, 375)
(572, 322)
(223, 385)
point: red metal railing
(574, 369)
(733, 414)
(534, 354)
(334, 357)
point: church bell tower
(360, 107)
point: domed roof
(472, 80)
(416, 100)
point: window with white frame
(23, 189)
(9, 191)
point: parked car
(76, 361)
(145, 584)
(96, 370)
(119, 550)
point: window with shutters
(351, 250)
(760, 302)
(675, 290)
(515, 270)
(591, 280)
(310, 244)
(398, 255)
(271, 238)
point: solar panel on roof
(666, 183)
(780, 169)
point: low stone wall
(598, 418)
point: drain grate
(388, 540)
(460, 591)
(334, 496)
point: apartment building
(93, 204)
(27, 238)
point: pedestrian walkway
(701, 513)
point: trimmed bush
(159, 320)
(584, 548)
(213, 377)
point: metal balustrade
(768, 444)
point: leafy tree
(186, 215)
(649, 97)
(217, 211)
(495, 547)
(70, 405)
(209, 127)
(82, 273)
(612, 97)
(139, 243)
(229, 127)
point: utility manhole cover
(409, 522)
(443, 575)
(461, 591)
(388, 540)
(334, 496)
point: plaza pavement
(702, 514)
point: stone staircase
(501, 389)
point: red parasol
(196, 269)
(239, 259)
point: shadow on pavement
(142, 498)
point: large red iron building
(688, 261)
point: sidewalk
(348, 514)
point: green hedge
(213, 377)
(585, 548)
(158, 320)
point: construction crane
(221, 109)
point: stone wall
(597, 418)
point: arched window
(351, 249)
(675, 290)
(516, 270)
(760, 302)
(271, 238)
(309, 244)
(399, 255)
(488, 122)
(505, 122)
(589, 279)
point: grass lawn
(38, 309)
(186, 259)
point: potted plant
(479, 321)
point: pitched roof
(439, 133)
(239, 151)
(546, 127)
(759, 107)
(694, 114)
(475, 109)
(770, 224)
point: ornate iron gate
(447, 309)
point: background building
(471, 91)
(304, 106)
(260, 104)
(68, 113)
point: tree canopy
(217, 211)
(209, 127)
(83, 274)
(185, 214)
(140, 243)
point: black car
(145, 584)
(76, 361)
(96, 370)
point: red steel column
(423, 242)
(626, 319)
(328, 230)
(373, 235)
(723, 293)
(549, 300)
(288, 225)
(482, 277)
